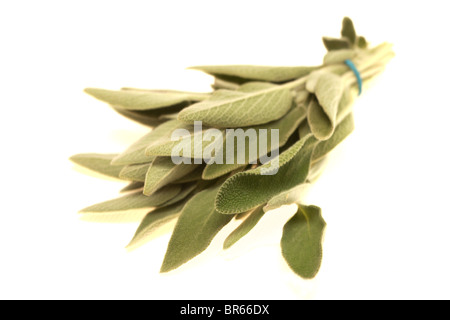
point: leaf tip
(226, 245)
(73, 158)
(165, 267)
(97, 93)
(198, 68)
(90, 91)
(131, 245)
(347, 20)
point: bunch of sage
(309, 108)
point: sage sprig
(306, 111)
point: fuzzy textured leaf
(286, 127)
(290, 196)
(322, 112)
(135, 172)
(193, 176)
(197, 225)
(100, 163)
(232, 109)
(346, 104)
(362, 42)
(186, 190)
(262, 73)
(343, 130)
(249, 189)
(132, 186)
(163, 171)
(348, 30)
(143, 100)
(301, 243)
(338, 56)
(250, 221)
(193, 140)
(141, 117)
(335, 44)
(135, 153)
(135, 200)
(153, 220)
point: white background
(384, 193)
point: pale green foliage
(163, 171)
(322, 113)
(287, 197)
(249, 189)
(135, 200)
(286, 127)
(133, 185)
(348, 30)
(193, 140)
(153, 220)
(240, 109)
(301, 243)
(135, 172)
(100, 163)
(312, 109)
(197, 225)
(250, 221)
(263, 73)
(338, 56)
(136, 152)
(143, 100)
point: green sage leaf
(132, 186)
(194, 175)
(197, 225)
(301, 243)
(244, 228)
(285, 126)
(196, 140)
(319, 122)
(346, 104)
(249, 189)
(338, 56)
(240, 109)
(348, 30)
(322, 112)
(362, 42)
(163, 171)
(242, 215)
(220, 83)
(343, 130)
(302, 97)
(135, 200)
(316, 170)
(136, 152)
(141, 117)
(193, 142)
(135, 172)
(254, 86)
(186, 190)
(100, 163)
(288, 197)
(335, 44)
(261, 73)
(142, 99)
(154, 220)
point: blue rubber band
(351, 65)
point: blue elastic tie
(351, 65)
